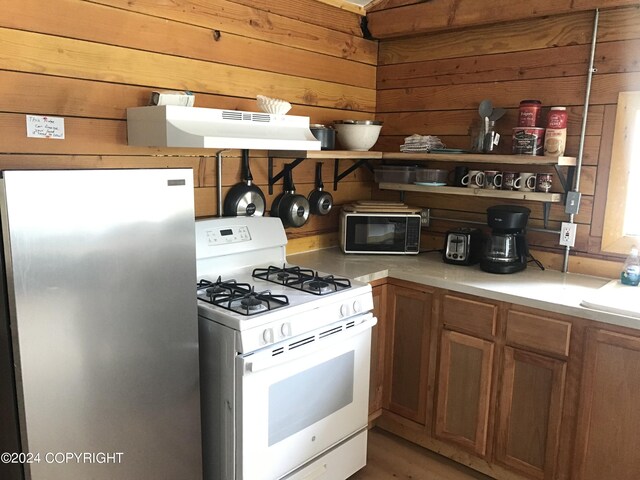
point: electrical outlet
(568, 234)
(425, 215)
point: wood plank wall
(88, 61)
(433, 84)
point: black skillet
(320, 201)
(293, 209)
(244, 199)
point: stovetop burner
(239, 297)
(303, 279)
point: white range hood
(176, 126)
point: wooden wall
(434, 82)
(87, 61)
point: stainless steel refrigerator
(98, 339)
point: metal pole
(219, 179)
(594, 38)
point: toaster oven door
(374, 233)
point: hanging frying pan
(320, 201)
(293, 209)
(244, 199)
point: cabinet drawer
(470, 316)
(540, 333)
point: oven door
(374, 233)
(300, 398)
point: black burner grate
(239, 297)
(303, 279)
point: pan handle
(319, 184)
(246, 170)
(288, 179)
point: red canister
(557, 117)
(530, 113)
(555, 138)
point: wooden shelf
(482, 158)
(421, 157)
(469, 158)
(478, 192)
(325, 154)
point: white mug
(492, 179)
(526, 182)
(473, 179)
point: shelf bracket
(566, 182)
(274, 178)
(546, 211)
(339, 176)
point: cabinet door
(464, 386)
(532, 391)
(608, 435)
(408, 338)
(376, 378)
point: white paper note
(45, 127)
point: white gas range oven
(284, 354)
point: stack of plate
(420, 143)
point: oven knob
(267, 335)
(286, 329)
(357, 307)
(344, 310)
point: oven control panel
(226, 235)
(298, 324)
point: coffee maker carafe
(506, 250)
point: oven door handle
(303, 345)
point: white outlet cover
(568, 234)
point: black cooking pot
(293, 209)
(320, 201)
(244, 199)
(326, 135)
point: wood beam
(420, 18)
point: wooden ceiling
(362, 7)
(402, 18)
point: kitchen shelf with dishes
(471, 158)
(362, 159)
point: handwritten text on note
(45, 127)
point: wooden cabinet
(529, 412)
(532, 387)
(409, 322)
(376, 379)
(608, 434)
(464, 388)
(500, 381)
(465, 372)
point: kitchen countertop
(547, 290)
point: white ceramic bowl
(359, 135)
(273, 105)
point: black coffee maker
(505, 250)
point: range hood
(176, 126)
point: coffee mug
(474, 179)
(509, 180)
(459, 174)
(492, 179)
(526, 182)
(544, 182)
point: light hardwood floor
(391, 457)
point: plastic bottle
(631, 271)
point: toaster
(462, 246)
